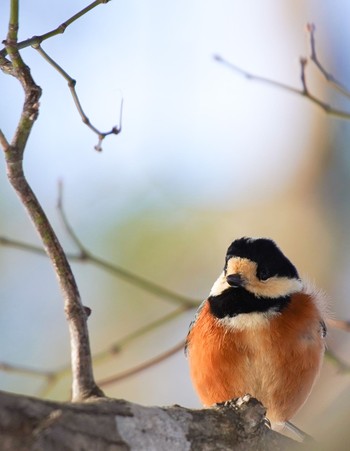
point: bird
(260, 332)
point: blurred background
(204, 157)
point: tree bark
(28, 424)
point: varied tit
(260, 332)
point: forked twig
(314, 58)
(59, 30)
(72, 87)
(36, 41)
(304, 92)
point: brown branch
(136, 280)
(83, 382)
(113, 350)
(139, 368)
(71, 84)
(9, 368)
(3, 142)
(339, 324)
(313, 99)
(35, 40)
(86, 256)
(29, 423)
(303, 62)
(314, 58)
(53, 377)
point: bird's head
(255, 270)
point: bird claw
(267, 423)
(235, 403)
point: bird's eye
(263, 274)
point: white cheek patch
(274, 287)
(219, 286)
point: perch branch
(29, 423)
(83, 382)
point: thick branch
(32, 424)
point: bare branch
(120, 272)
(303, 62)
(53, 377)
(3, 142)
(35, 40)
(71, 84)
(87, 256)
(320, 103)
(139, 368)
(83, 382)
(314, 58)
(339, 324)
(9, 368)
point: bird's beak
(234, 280)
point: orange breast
(277, 362)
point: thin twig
(303, 62)
(52, 378)
(314, 58)
(320, 103)
(59, 30)
(3, 142)
(85, 256)
(9, 368)
(72, 84)
(118, 346)
(130, 277)
(137, 369)
(339, 324)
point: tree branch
(86, 256)
(144, 366)
(71, 84)
(304, 92)
(83, 382)
(35, 40)
(314, 58)
(28, 423)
